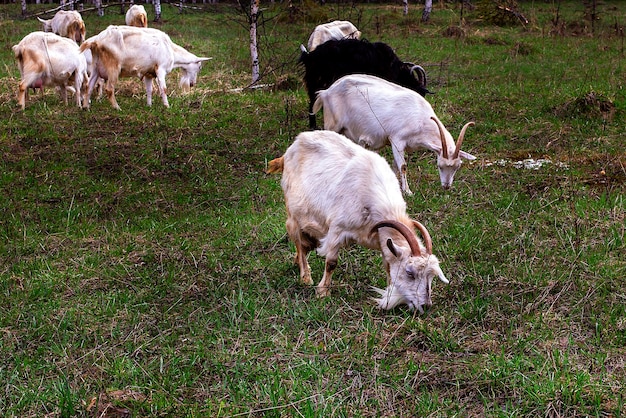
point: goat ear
(466, 155)
(440, 274)
(435, 148)
(392, 247)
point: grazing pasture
(145, 268)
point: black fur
(335, 58)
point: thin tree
(98, 5)
(157, 10)
(23, 7)
(405, 3)
(428, 7)
(254, 52)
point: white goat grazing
(338, 193)
(337, 29)
(374, 113)
(137, 16)
(47, 59)
(67, 23)
(126, 51)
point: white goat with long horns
(374, 113)
(338, 193)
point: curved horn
(460, 140)
(444, 145)
(428, 243)
(406, 232)
(419, 73)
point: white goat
(67, 23)
(374, 113)
(337, 29)
(338, 193)
(137, 16)
(47, 59)
(126, 51)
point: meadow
(145, 269)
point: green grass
(145, 268)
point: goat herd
(49, 58)
(336, 192)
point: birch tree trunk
(23, 7)
(406, 6)
(98, 4)
(254, 52)
(157, 10)
(428, 7)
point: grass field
(145, 268)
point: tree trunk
(98, 4)
(428, 7)
(405, 3)
(23, 7)
(254, 52)
(157, 10)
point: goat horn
(460, 140)
(428, 243)
(444, 145)
(406, 232)
(419, 73)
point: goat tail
(17, 51)
(318, 104)
(85, 45)
(276, 165)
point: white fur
(47, 59)
(389, 297)
(335, 193)
(91, 71)
(137, 16)
(126, 51)
(374, 113)
(66, 23)
(337, 29)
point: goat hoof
(322, 292)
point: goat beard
(390, 297)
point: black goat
(335, 58)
